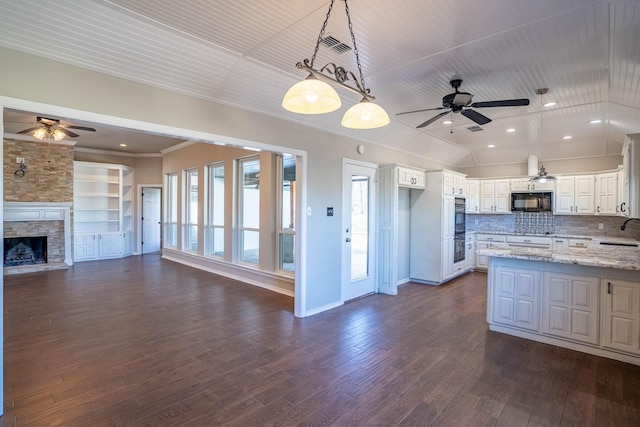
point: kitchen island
(586, 300)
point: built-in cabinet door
(85, 246)
(515, 297)
(621, 315)
(448, 216)
(472, 188)
(570, 306)
(447, 257)
(564, 195)
(575, 195)
(482, 261)
(109, 245)
(607, 193)
(502, 196)
(486, 196)
(584, 194)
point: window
(249, 210)
(171, 224)
(286, 212)
(190, 217)
(214, 229)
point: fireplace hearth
(25, 251)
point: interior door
(151, 219)
(358, 230)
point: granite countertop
(595, 255)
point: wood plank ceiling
(243, 53)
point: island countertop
(597, 254)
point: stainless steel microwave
(532, 202)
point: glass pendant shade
(58, 135)
(311, 96)
(365, 115)
(39, 133)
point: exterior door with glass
(358, 229)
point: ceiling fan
(460, 102)
(54, 128)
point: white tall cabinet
(391, 178)
(102, 210)
(574, 195)
(495, 196)
(432, 230)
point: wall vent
(475, 128)
(335, 44)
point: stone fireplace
(30, 225)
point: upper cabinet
(523, 184)
(453, 183)
(574, 195)
(410, 177)
(607, 194)
(494, 196)
(472, 193)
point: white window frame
(187, 209)
(241, 229)
(211, 225)
(281, 231)
(171, 210)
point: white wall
(21, 77)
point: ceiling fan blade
(78, 128)
(475, 116)
(501, 103)
(67, 132)
(432, 119)
(30, 129)
(420, 111)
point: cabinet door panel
(622, 316)
(516, 297)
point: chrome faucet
(624, 224)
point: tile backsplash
(541, 223)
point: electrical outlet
(477, 222)
(600, 226)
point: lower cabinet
(621, 315)
(516, 297)
(93, 246)
(570, 305)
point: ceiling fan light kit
(311, 96)
(52, 128)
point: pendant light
(542, 176)
(315, 94)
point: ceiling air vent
(335, 44)
(475, 128)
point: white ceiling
(243, 53)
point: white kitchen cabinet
(432, 232)
(621, 315)
(524, 184)
(487, 241)
(570, 305)
(495, 196)
(472, 195)
(410, 177)
(574, 195)
(102, 210)
(607, 193)
(515, 297)
(470, 252)
(622, 208)
(453, 183)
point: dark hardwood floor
(146, 342)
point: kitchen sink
(633, 245)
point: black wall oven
(459, 230)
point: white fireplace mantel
(43, 211)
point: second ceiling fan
(460, 102)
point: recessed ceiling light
(593, 122)
(123, 145)
(511, 130)
(491, 146)
(567, 137)
(447, 122)
(550, 104)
